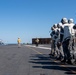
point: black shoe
(69, 62)
(63, 61)
(59, 58)
(50, 54)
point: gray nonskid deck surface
(30, 61)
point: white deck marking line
(38, 47)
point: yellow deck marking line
(67, 68)
(35, 50)
(54, 61)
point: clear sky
(29, 19)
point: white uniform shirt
(68, 31)
(55, 36)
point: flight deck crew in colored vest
(37, 41)
(19, 42)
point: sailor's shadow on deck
(47, 62)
